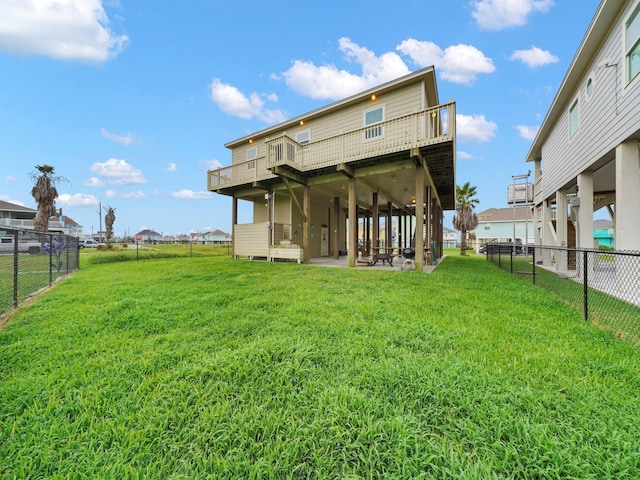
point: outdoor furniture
(385, 257)
(409, 254)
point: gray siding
(607, 118)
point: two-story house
(17, 216)
(386, 152)
(586, 154)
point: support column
(306, 230)
(388, 242)
(234, 220)
(430, 219)
(547, 236)
(419, 217)
(375, 226)
(352, 248)
(336, 228)
(584, 235)
(561, 230)
(627, 226)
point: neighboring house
(217, 237)
(497, 224)
(449, 238)
(148, 236)
(389, 151)
(17, 216)
(603, 233)
(586, 155)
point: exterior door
(324, 241)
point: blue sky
(133, 101)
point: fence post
(50, 259)
(15, 269)
(585, 286)
(533, 259)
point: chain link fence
(604, 285)
(31, 261)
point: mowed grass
(208, 367)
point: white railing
(28, 225)
(430, 126)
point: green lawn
(204, 366)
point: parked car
(495, 248)
(7, 245)
(90, 244)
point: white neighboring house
(148, 236)
(17, 216)
(449, 238)
(586, 154)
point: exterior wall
(251, 240)
(503, 231)
(606, 118)
(397, 103)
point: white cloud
(9, 179)
(328, 82)
(463, 155)
(528, 133)
(210, 164)
(456, 63)
(126, 139)
(76, 200)
(137, 195)
(474, 128)
(118, 172)
(191, 195)
(500, 14)
(7, 198)
(534, 57)
(62, 29)
(172, 167)
(233, 102)
(93, 182)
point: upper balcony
(432, 126)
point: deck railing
(430, 126)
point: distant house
(385, 152)
(450, 238)
(148, 236)
(496, 225)
(216, 237)
(603, 233)
(586, 154)
(17, 216)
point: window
(252, 153)
(374, 118)
(303, 137)
(589, 89)
(487, 227)
(574, 119)
(632, 44)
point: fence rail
(604, 285)
(30, 261)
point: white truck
(7, 246)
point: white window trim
(302, 132)
(592, 77)
(382, 107)
(252, 154)
(574, 102)
(625, 67)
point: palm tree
(465, 219)
(44, 192)
(109, 219)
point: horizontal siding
(397, 103)
(607, 118)
(251, 240)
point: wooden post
(336, 228)
(353, 224)
(234, 220)
(375, 227)
(419, 217)
(306, 202)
